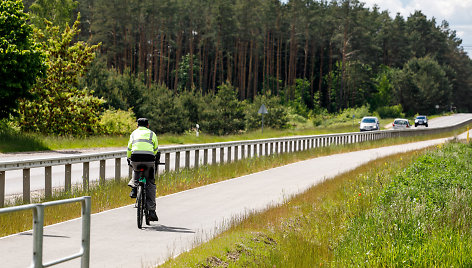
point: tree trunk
(177, 60)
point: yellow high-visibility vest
(143, 141)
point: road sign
(262, 110)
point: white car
(369, 123)
(401, 123)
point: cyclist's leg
(133, 182)
(151, 190)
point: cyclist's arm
(130, 144)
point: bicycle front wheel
(140, 201)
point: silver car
(369, 123)
(401, 123)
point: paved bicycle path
(186, 218)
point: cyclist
(142, 147)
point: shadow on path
(169, 229)
(46, 235)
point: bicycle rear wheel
(140, 201)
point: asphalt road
(14, 186)
(186, 218)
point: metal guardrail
(228, 152)
(38, 228)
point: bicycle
(142, 210)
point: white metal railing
(228, 151)
(38, 227)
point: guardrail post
(229, 154)
(243, 151)
(167, 162)
(102, 171)
(276, 147)
(86, 211)
(86, 175)
(249, 151)
(26, 185)
(222, 155)
(177, 161)
(236, 153)
(187, 159)
(2, 189)
(68, 175)
(197, 158)
(213, 156)
(48, 181)
(38, 222)
(266, 148)
(117, 169)
(260, 149)
(205, 156)
(254, 149)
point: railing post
(254, 149)
(236, 153)
(26, 185)
(177, 161)
(117, 169)
(187, 159)
(86, 211)
(249, 151)
(205, 156)
(102, 172)
(266, 149)
(86, 175)
(48, 181)
(229, 154)
(213, 156)
(2, 189)
(243, 151)
(38, 222)
(276, 147)
(68, 175)
(197, 158)
(222, 155)
(167, 162)
(260, 149)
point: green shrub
(118, 122)
(347, 115)
(276, 118)
(163, 110)
(223, 114)
(394, 111)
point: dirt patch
(214, 262)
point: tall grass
(389, 213)
(11, 141)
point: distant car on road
(401, 123)
(369, 123)
(421, 120)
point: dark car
(421, 120)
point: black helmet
(143, 122)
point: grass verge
(114, 194)
(388, 213)
(20, 142)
